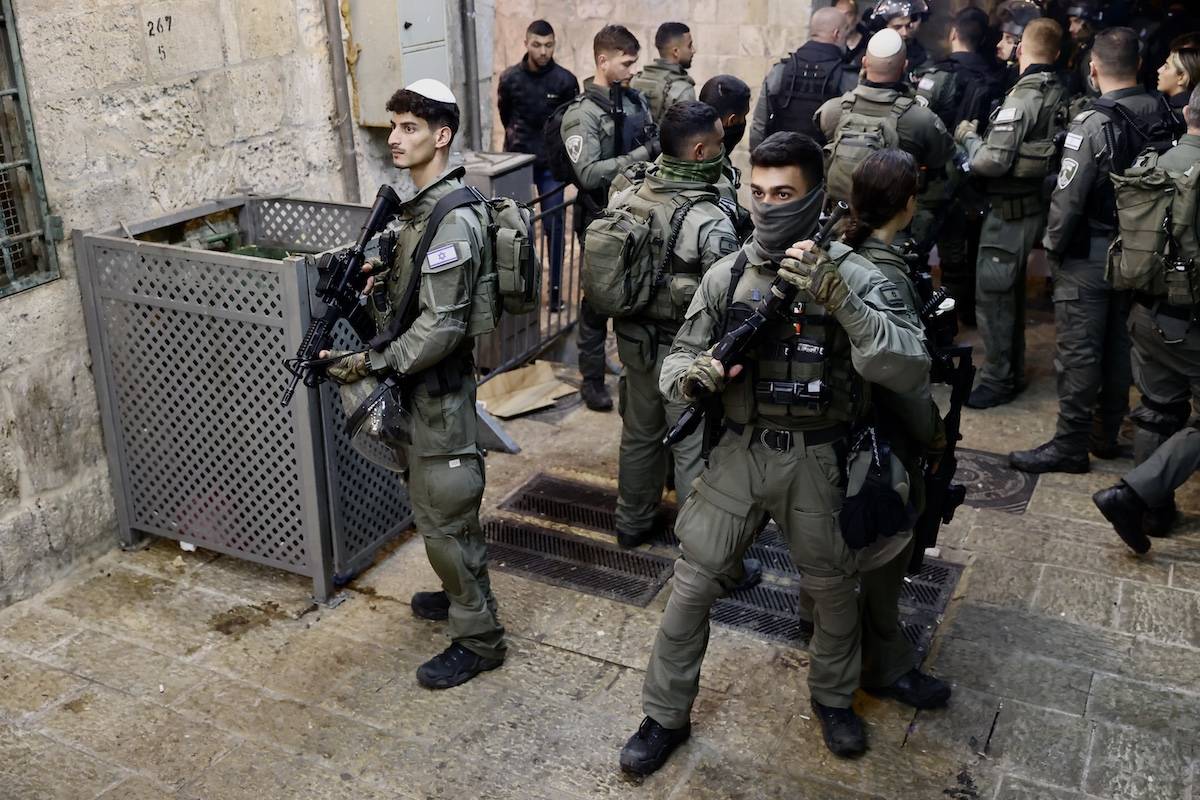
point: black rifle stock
(341, 282)
(735, 342)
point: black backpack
(556, 156)
(1126, 137)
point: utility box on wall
(397, 42)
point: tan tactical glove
(350, 368)
(965, 129)
(816, 278)
(704, 373)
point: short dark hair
(973, 29)
(882, 186)
(539, 27)
(789, 149)
(669, 32)
(436, 113)
(728, 94)
(1115, 51)
(682, 123)
(615, 39)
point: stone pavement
(161, 674)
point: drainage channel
(580, 504)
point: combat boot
(595, 395)
(984, 396)
(651, 746)
(1048, 457)
(431, 605)
(1159, 521)
(842, 729)
(632, 540)
(915, 688)
(752, 572)
(1122, 507)
(453, 666)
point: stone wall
(234, 95)
(740, 38)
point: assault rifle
(951, 365)
(735, 342)
(340, 284)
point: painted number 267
(157, 27)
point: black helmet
(1015, 15)
(887, 10)
(1087, 10)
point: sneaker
(915, 688)
(595, 396)
(1048, 457)
(649, 748)
(984, 396)
(431, 605)
(1122, 507)
(453, 666)
(842, 729)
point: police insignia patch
(1067, 174)
(922, 100)
(574, 145)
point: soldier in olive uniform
(777, 456)
(682, 182)
(1092, 348)
(597, 156)
(445, 480)
(883, 93)
(666, 82)
(730, 96)
(1014, 159)
(1166, 369)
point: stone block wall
(740, 38)
(134, 120)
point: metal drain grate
(770, 611)
(584, 505)
(560, 559)
(992, 483)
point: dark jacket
(527, 98)
(976, 87)
(796, 87)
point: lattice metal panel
(302, 225)
(194, 349)
(371, 503)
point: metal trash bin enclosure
(187, 352)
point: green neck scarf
(708, 172)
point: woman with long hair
(1180, 73)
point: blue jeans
(552, 228)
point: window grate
(27, 230)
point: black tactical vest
(811, 75)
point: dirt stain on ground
(238, 620)
(76, 706)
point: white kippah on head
(885, 44)
(433, 89)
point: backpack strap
(463, 196)
(677, 219)
(735, 277)
(901, 105)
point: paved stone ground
(161, 674)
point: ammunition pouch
(1011, 208)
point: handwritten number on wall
(157, 27)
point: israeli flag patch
(926, 84)
(1006, 115)
(1073, 141)
(441, 257)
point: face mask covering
(777, 227)
(733, 135)
(708, 172)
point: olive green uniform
(664, 84)
(446, 474)
(706, 235)
(1014, 159)
(1166, 370)
(920, 132)
(1092, 341)
(781, 460)
(589, 134)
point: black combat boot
(1121, 506)
(649, 748)
(431, 605)
(752, 571)
(1048, 457)
(984, 396)
(595, 395)
(631, 540)
(453, 666)
(915, 688)
(1108, 450)
(1159, 521)
(843, 730)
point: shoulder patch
(922, 101)
(445, 256)
(1073, 141)
(1006, 114)
(926, 83)
(892, 296)
(1067, 174)
(574, 145)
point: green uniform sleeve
(762, 108)
(827, 117)
(583, 136)
(715, 238)
(447, 281)
(695, 334)
(680, 91)
(1079, 172)
(994, 156)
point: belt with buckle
(782, 441)
(1157, 305)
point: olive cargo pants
(1004, 248)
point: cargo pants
(445, 491)
(1004, 248)
(1166, 369)
(801, 488)
(1092, 352)
(645, 417)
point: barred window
(27, 230)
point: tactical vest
(805, 87)
(799, 374)
(1038, 155)
(655, 87)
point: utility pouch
(1181, 282)
(877, 492)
